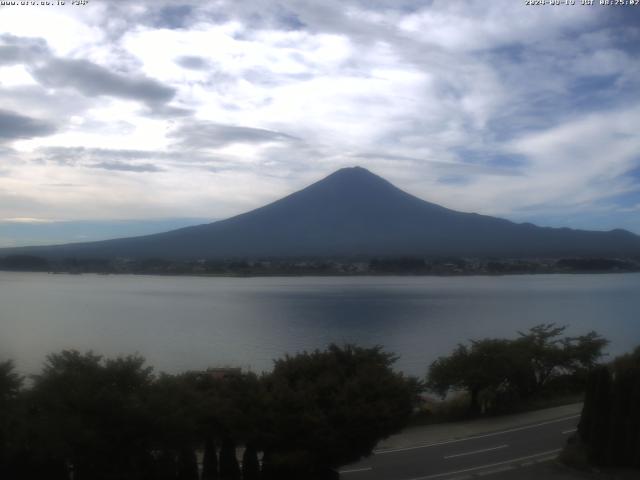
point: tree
(328, 408)
(10, 387)
(210, 460)
(505, 371)
(229, 468)
(90, 413)
(551, 356)
(543, 348)
(174, 428)
(10, 381)
(610, 422)
(228, 410)
(187, 464)
(487, 365)
(250, 464)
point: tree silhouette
(10, 386)
(90, 413)
(328, 408)
(507, 371)
(610, 422)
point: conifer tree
(250, 464)
(187, 464)
(210, 461)
(229, 468)
(599, 434)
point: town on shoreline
(404, 265)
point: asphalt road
(468, 457)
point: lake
(181, 323)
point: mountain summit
(354, 212)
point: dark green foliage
(10, 381)
(600, 423)
(486, 366)
(10, 385)
(229, 468)
(166, 466)
(210, 460)
(610, 422)
(173, 407)
(328, 408)
(112, 419)
(250, 464)
(90, 413)
(187, 465)
(499, 373)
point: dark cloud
(92, 79)
(84, 76)
(205, 134)
(40, 102)
(192, 62)
(127, 167)
(14, 126)
(22, 49)
(173, 16)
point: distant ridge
(353, 212)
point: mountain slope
(354, 212)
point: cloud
(173, 16)
(92, 79)
(24, 220)
(89, 156)
(192, 62)
(488, 107)
(15, 126)
(15, 49)
(127, 167)
(445, 170)
(212, 135)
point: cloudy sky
(177, 112)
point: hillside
(353, 212)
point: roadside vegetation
(88, 417)
(84, 416)
(609, 429)
(541, 367)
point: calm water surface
(179, 323)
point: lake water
(181, 323)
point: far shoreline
(327, 275)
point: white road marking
(404, 449)
(481, 467)
(355, 470)
(545, 459)
(567, 432)
(476, 451)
